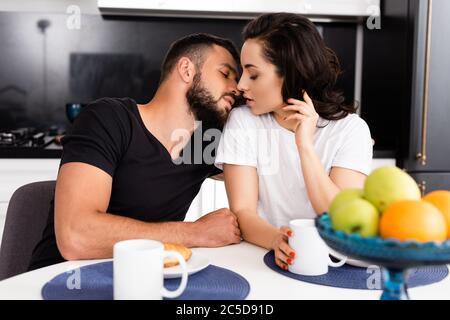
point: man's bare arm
(84, 230)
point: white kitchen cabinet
(15, 173)
(3, 207)
(212, 196)
(376, 163)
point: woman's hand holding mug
(284, 255)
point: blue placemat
(351, 277)
(95, 282)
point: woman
(296, 144)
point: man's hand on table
(216, 229)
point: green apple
(386, 185)
(356, 216)
(343, 197)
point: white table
(245, 259)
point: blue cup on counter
(73, 110)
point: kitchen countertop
(245, 259)
(52, 151)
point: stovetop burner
(25, 138)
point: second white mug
(312, 254)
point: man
(119, 178)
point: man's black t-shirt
(147, 185)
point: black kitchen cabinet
(429, 144)
(406, 87)
(386, 78)
(428, 155)
(430, 181)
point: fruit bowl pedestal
(394, 256)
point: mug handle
(337, 264)
(175, 293)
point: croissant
(184, 251)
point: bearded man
(120, 176)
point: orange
(413, 220)
(441, 199)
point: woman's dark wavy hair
(292, 43)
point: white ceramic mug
(139, 270)
(312, 254)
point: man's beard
(204, 107)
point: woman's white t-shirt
(260, 142)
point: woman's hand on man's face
(284, 255)
(306, 117)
